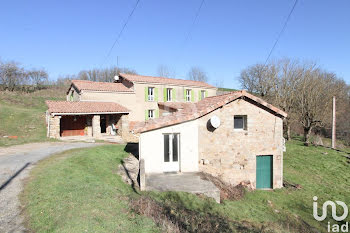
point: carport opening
(72, 126)
(81, 125)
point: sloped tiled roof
(100, 86)
(60, 107)
(202, 108)
(163, 80)
(175, 105)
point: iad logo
(335, 227)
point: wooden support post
(334, 125)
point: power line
(281, 32)
(194, 22)
(121, 31)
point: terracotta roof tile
(133, 124)
(163, 80)
(60, 107)
(100, 86)
(175, 105)
(200, 109)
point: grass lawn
(79, 191)
(23, 115)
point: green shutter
(156, 94)
(157, 113)
(146, 94)
(192, 95)
(146, 114)
(206, 94)
(264, 172)
(184, 94)
(174, 94)
(164, 94)
(199, 95)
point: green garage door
(264, 172)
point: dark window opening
(175, 148)
(166, 148)
(240, 122)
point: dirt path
(15, 163)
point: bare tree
(165, 71)
(300, 89)
(197, 74)
(290, 73)
(314, 99)
(38, 77)
(103, 75)
(11, 75)
(259, 79)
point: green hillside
(22, 115)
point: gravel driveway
(15, 163)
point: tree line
(95, 74)
(303, 90)
(14, 77)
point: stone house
(101, 108)
(237, 137)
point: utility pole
(333, 125)
(118, 62)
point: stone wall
(231, 154)
(96, 128)
(124, 131)
(54, 126)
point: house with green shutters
(237, 137)
(115, 107)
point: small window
(188, 95)
(150, 114)
(151, 94)
(168, 94)
(240, 122)
(202, 95)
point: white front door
(171, 152)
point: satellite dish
(215, 121)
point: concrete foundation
(183, 182)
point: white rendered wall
(152, 147)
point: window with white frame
(169, 94)
(240, 122)
(188, 95)
(150, 93)
(202, 95)
(151, 114)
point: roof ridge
(165, 77)
(90, 81)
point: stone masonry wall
(54, 128)
(124, 131)
(231, 154)
(96, 128)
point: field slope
(22, 115)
